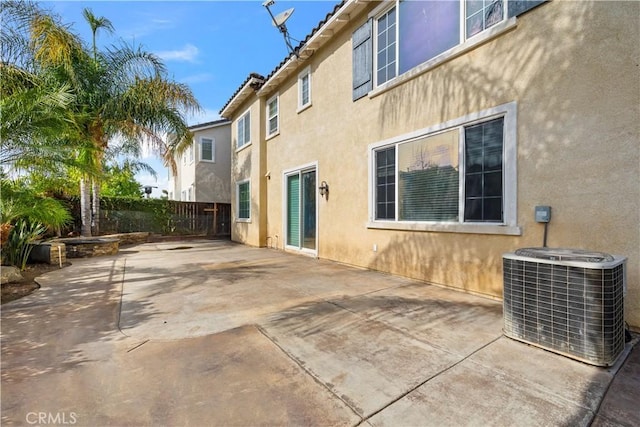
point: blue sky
(210, 45)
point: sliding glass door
(301, 219)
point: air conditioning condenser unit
(566, 300)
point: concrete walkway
(212, 333)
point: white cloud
(197, 78)
(145, 27)
(161, 22)
(188, 53)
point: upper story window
(386, 45)
(244, 130)
(460, 172)
(404, 35)
(482, 14)
(273, 115)
(425, 29)
(207, 150)
(191, 153)
(304, 88)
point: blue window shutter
(518, 7)
(362, 60)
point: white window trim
(191, 156)
(467, 45)
(237, 213)
(303, 73)
(275, 97)
(213, 149)
(248, 143)
(510, 191)
(285, 173)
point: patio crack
(401, 396)
(302, 366)
(124, 268)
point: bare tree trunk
(95, 189)
(85, 208)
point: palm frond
(125, 64)
(54, 44)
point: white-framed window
(482, 14)
(191, 153)
(190, 194)
(243, 127)
(409, 33)
(273, 107)
(207, 149)
(243, 200)
(455, 176)
(386, 46)
(304, 89)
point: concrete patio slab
(456, 322)
(556, 376)
(213, 333)
(235, 378)
(620, 406)
(472, 395)
(226, 288)
(343, 351)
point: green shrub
(20, 243)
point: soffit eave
(242, 95)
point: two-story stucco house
(204, 169)
(417, 138)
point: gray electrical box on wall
(543, 213)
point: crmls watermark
(52, 418)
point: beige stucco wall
(572, 69)
(213, 179)
(209, 181)
(248, 163)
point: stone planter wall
(129, 238)
(90, 247)
(49, 253)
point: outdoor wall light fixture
(324, 188)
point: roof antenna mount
(279, 21)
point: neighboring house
(204, 169)
(437, 127)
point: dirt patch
(14, 291)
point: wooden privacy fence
(167, 217)
(212, 219)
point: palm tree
(32, 100)
(35, 129)
(119, 92)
